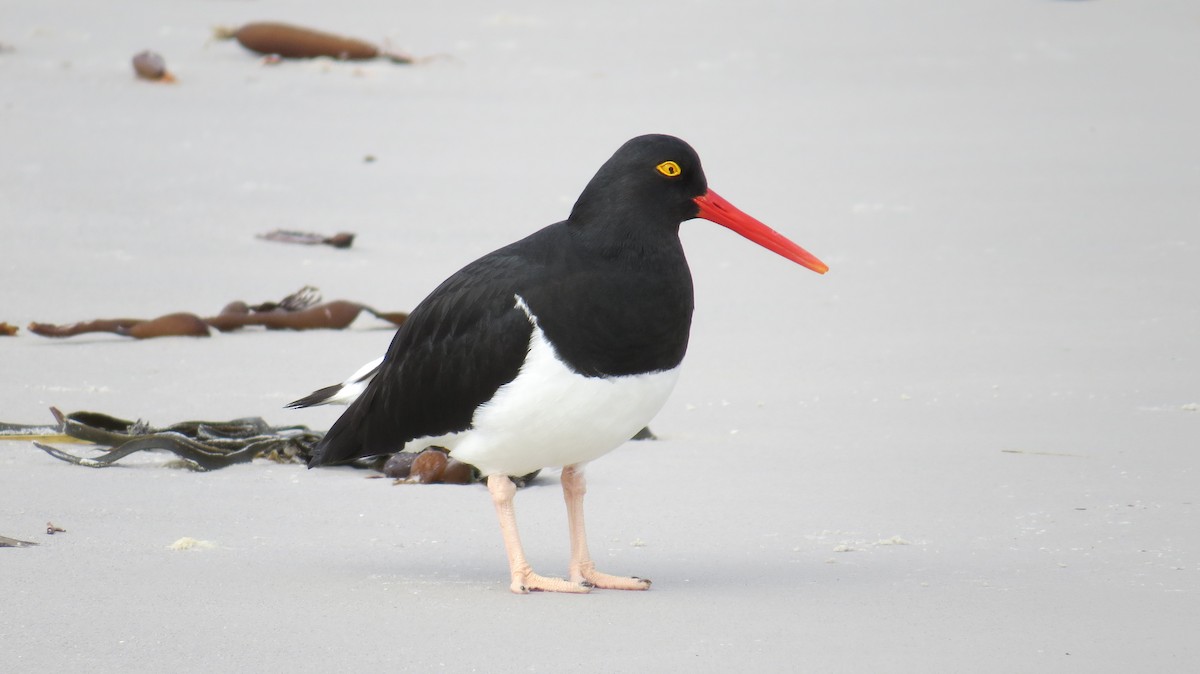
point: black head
(652, 184)
(651, 180)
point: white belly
(549, 416)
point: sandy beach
(972, 446)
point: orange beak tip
(714, 208)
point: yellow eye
(669, 168)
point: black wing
(461, 344)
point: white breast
(550, 416)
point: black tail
(344, 441)
(340, 444)
(320, 396)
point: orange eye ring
(669, 168)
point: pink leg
(524, 579)
(583, 569)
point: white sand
(972, 446)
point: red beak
(715, 209)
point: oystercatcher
(553, 350)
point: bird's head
(656, 181)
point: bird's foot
(587, 574)
(524, 583)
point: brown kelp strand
(301, 310)
(339, 240)
(170, 325)
(334, 315)
(297, 42)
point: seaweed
(200, 445)
(302, 310)
(210, 445)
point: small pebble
(151, 66)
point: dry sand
(972, 446)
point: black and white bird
(551, 351)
